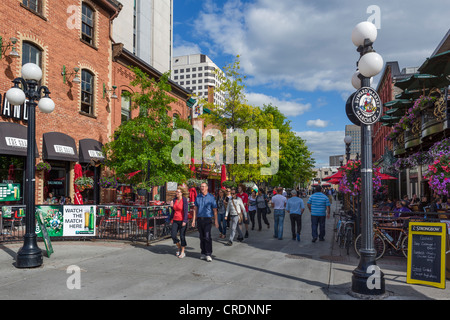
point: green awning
(420, 81)
(407, 94)
(389, 119)
(398, 103)
(438, 65)
(395, 112)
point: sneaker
(321, 239)
(182, 255)
(229, 243)
(202, 257)
(298, 237)
(314, 239)
(208, 258)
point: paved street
(260, 268)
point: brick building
(71, 40)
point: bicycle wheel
(404, 246)
(337, 230)
(348, 237)
(378, 244)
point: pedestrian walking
(278, 205)
(179, 219)
(319, 206)
(236, 214)
(205, 209)
(221, 208)
(295, 208)
(252, 208)
(261, 209)
(244, 196)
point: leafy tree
(147, 137)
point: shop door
(56, 181)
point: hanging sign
(426, 254)
(367, 106)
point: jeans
(234, 223)
(296, 220)
(222, 223)
(263, 212)
(278, 217)
(204, 232)
(251, 215)
(178, 225)
(318, 221)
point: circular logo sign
(367, 105)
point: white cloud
(307, 44)
(317, 123)
(323, 144)
(186, 48)
(288, 108)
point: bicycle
(345, 227)
(381, 237)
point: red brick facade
(380, 132)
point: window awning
(13, 139)
(90, 149)
(59, 146)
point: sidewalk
(260, 268)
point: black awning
(90, 150)
(13, 139)
(59, 146)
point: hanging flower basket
(84, 183)
(351, 179)
(43, 166)
(439, 174)
(108, 183)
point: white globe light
(370, 64)
(15, 96)
(46, 105)
(31, 71)
(348, 139)
(356, 81)
(362, 31)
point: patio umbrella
(437, 65)
(223, 175)
(334, 181)
(337, 175)
(385, 176)
(78, 199)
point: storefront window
(12, 172)
(56, 185)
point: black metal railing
(112, 222)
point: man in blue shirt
(205, 208)
(319, 206)
(295, 208)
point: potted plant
(84, 183)
(43, 166)
(108, 182)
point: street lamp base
(368, 279)
(29, 256)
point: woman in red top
(244, 196)
(179, 219)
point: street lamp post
(348, 141)
(367, 278)
(30, 256)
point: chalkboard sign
(426, 254)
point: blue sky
(298, 54)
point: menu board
(426, 254)
(9, 192)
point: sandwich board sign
(426, 254)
